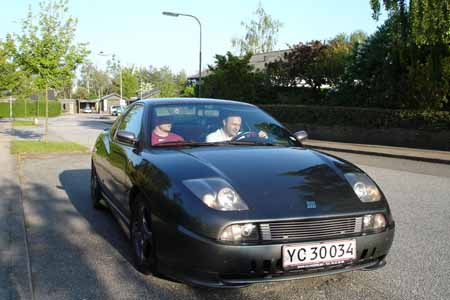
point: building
(257, 61)
(68, 106)
(193, 79)
(85, 105)
(106, 102)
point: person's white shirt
(218, 136)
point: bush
(54, 109)
(360, 117)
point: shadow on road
(13, 258)
(95, 124)
(101, 221)
(22, 133)
(76, 185)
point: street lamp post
(101, 53)
(173, 14)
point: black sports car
(218, 193)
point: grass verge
(20, 123)
(25, 147)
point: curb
(24, 228)
(383, 154)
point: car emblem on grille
(311, 204)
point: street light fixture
(171, 14)
(174, 14)
(101, 53)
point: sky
(138, 34)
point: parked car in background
(117, 110)
(218, 193)
(87, 110)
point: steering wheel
(244, 135)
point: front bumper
(199, 261)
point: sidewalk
(14, 259)
(395, 152)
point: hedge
(54, 109)
(360, 117)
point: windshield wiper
(183, 143)
(251, 143)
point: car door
(102, 158)
(124, 155)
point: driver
(161, 133)
(231, 126)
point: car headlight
(364, 187)
(216, 193)
(240, 233)
(372, 223)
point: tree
(81, 93)
(47, 49)
(420, 39)
(12, 78)
(304, 64)
(261, 34)
(130, 82)
(170, 84)
(338, 56)
(428, 20)
(95, 80)
(375, 76)
(232, 77)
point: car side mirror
(301, 135)
(126, 137)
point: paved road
(79, 253)
(83, 129)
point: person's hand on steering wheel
(249, 134)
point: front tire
(142, 238)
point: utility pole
(10, 106)
(174, 14)
(88, 75)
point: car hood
(278, 182)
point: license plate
(310, 255)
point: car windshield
(216, 124)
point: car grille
(310, 229)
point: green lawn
(20, 123)
(23, 147)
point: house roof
(205, 73)
(116, 95)
(258, 61)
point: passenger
(231, 128)
(161, 133)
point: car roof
(161, 101)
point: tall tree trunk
(46, 113)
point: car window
(211, 123)
(132, 121)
